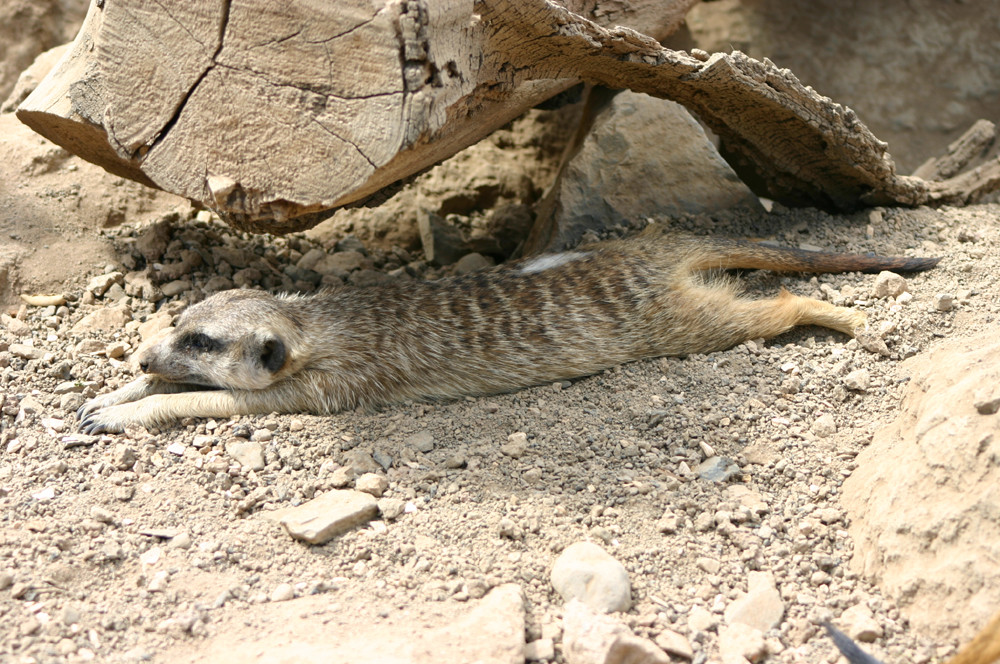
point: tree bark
(274, 114)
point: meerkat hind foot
(810, 311)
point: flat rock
(103, 321)
(590, 637)
(761, 607)
(675, 644)
(247, 454)
(586, 572)
(323, 518)
(625, 145)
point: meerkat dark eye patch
(272, 354)
(199, 342)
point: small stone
(539, 649)
(98, 513)
(859, 380)
(181, 540)
(668, 523)
(944, 301)
(516, 445)
(717, 469)
(824, 426)
(709, 565)
(116, 350)
(590, 637)
(390, 508)
(740, 641)
(26, 352)
(249, 455)
(6, 580)
(675, 644)
(262, 435)
(177, 449)
(282, 593)
(323, 518)
(761, 607)
(175, 287)
(986, 400)
(296, 425)
(123, 457)
(860, 624)
(422, 441)
(100, 284)
(473, 262)
(508, 529)
(342, 477)
(872, 342)
(154, 326)
(159, 582)
(372, 483)
(888, 284)
(701, 619)
(829, 515)
(586, 572)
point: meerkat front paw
(114, 418)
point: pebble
(738, 642)
(15, 326)
(26, 352)
(516, 445)
(296, 425)
(860, 624)
(177, 449)
(473, 262)
(889, 284)
(872, 342)
(282, 593)
(390, 508)
(761, 607)
(539, 649)
(6, 580)
(323, 518)
(708, 565)
(249, 455)
(986, 400)
(824, 426)
(590, 637)
(859, 380)
(717, 469)
(944, 301)
(342, 476)
(181, 540)
(372, 483)
(586, 572)
(701, 619)
(262, 435)
(675, 644)
(422, 441)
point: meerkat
(542, 319)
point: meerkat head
(236, 339)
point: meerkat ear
(272, 354)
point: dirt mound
(925, 499)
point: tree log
(275, 114)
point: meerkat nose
(144, 365)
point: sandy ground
(157, 544)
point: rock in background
(925, 499)
(634, 156)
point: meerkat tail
(725, 254)
(984, 648)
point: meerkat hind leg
(774, 316)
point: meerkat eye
(272, 354)
(198, 342)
